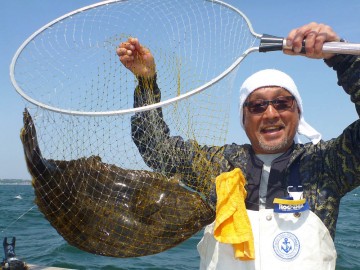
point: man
(275, 165)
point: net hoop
(130, 110)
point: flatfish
(110, 211)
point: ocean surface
(38, 243)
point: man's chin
(274, 147)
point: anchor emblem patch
(286, 246)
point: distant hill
(15, 182)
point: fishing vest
(289, 236)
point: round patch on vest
(286, 246)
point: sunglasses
(258, 106)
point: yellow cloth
(232, 224)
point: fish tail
(33, 157)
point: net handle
(273, 43)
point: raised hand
(315, 35)
(137, 58)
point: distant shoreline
(15, 182)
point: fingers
(134, 42)
(137, 58)
(127, 50)
(314, 35)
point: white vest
(282, 241)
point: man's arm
(341, 155)
(196, 165)
(347, 68)
(149, 131)
(151, 134)
(346, 148)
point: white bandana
(273, 77)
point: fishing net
(125, 184)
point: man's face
(272, 131)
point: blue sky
(326, 106)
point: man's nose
(271, 112)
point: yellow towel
(232, 224)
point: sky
(326, 106)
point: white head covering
(273, 77)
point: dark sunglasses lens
(283, 103)
(257, 106)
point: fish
(110, 211)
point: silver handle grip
(335, 47)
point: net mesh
(127, 185)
